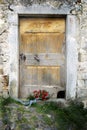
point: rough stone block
(1, 78)
(5, 94)
(1, 71)
(81, 83)
(1, 23)
(1, 83)
(86, 83)
(82, 66)
(81, 93)
(85, 103)
(5, 80)
(82, 76)
(83, 57)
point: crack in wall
(3, 32)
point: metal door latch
(36, 58)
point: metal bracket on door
(36, 58)
(22, 57)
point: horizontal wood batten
(42, 25)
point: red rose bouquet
(41, 94)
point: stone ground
(20, 117)
(42, 115)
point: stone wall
(4, 46)
(82, 53)
(72, 6)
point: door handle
(36, 58)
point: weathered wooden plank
(42, 75)
(45, 63)
(44, 56)
(28, 25)
(42, 42)
(52, 59)
(35, 78)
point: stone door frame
(72, 31)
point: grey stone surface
(47, 128)
(85, 83)
(25, 126)
(82, 75)
(1, 123)
(71, 56)
(82, 92)
(81, 83)
(32, 121)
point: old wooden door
(41, 43)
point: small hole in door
(61, 94)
